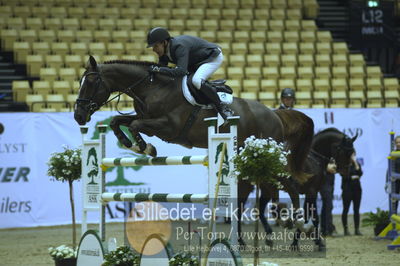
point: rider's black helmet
(287, 92)
(156, 35)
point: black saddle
(219, 86)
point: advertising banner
(29, 197)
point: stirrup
(223, 111)
(226, 110)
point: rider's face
(159, 48)
(288, 101)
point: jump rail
(157, 197)
(95, 197)
(170, 160)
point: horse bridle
(323, 157)
(341, 147)
(92, 106)
(335, 152)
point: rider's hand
(331, 168)
(154, 69)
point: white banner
(29, 198)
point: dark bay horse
(162, 111)
(328, 144)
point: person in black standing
(326, 191)
(351, 192)
(288, 98)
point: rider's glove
(154, 69)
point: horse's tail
(298, 130)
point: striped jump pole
(169, 160)
(157, 197)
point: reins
(129, 89)
(319, 155)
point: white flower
(268, 150)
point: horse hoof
(150, 150)
(136, 149)
(300, 224)
(285, 223)
(308, 227)
(281, 222)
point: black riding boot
(212, 95)
(357, 232)
(346, 231)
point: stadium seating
(268, 45)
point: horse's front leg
(126, 120)
(150, 127)
(122, 120)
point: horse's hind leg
(295, 197)
(244, 190)
(264, 199)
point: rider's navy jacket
(187, 53)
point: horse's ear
(354, 138)
(92, 62)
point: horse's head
(92, 93)
(342, 152)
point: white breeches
(206, 70)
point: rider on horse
(190, 54)
(287, 98)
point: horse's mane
(130, 62)
(329, 130)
